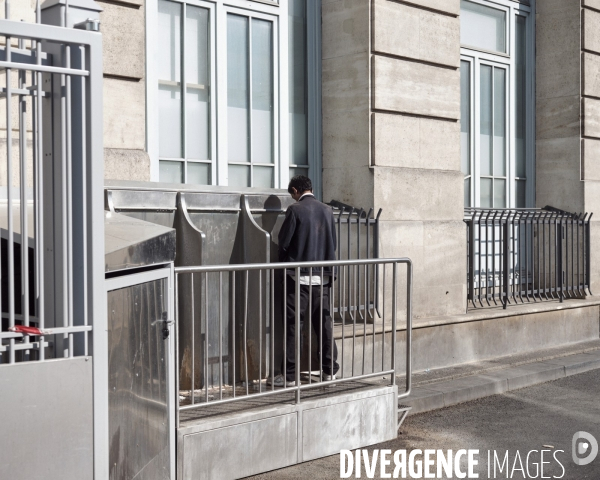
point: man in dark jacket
(308, 235)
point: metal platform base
(232, 445)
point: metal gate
(141, 381)
(52, 258)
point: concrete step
(470, 382)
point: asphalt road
(544, 416)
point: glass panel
(485, 187)
(468, 192)
(298, 171)
(262, 91)
(520, 194)
(520, 97)
(499, 122)
(263, 177)
(482, 27)
(169, 78)
(239, 176)
(198, 173)
(297, 82)
(465, 116)
(499, 193)
(170, 172)
(237, 89)
(485, 137)
(197, 78)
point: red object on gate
(27, 330)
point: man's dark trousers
(324, 340)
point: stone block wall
(124, 55)
(391, 109)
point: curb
(445, 393)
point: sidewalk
(449, 386)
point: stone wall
(391, 106)
(124, 55)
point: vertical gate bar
(205, 305)
(344, 314)
(394, 318)
(310, 328)
(565, 274)
(373, 319)
(273, 327)
(176, 342)
(84, 160)
(321, 337)
(487, 258)
(233, 327)
(409, 288)
(383, 320)
(538, 223)
(494, 260)
(479, 241)
(260, 331)
(578, 255)
(64, 210)
(588, 262)
(558, 253)
(572, 286)
(9, 173)
(367, 278)
(376, 255)
(39, 191)
(349, 297)
(69, 174)
(339, 240)
(193, 339)
(364, 320)
(297, 336)
(221, 335)
(23, 204)
(331, 315)
(544, 254)
(471, 247)
(246, 379)
(352, 294)
(513, 257)
(505, 262)
(285, 320)
(358, 220)
(527, 257)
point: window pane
(298, 171)
(263, 177)
(262, 91)
(520, 194)
(170, 172)
(468, 192)
(485, 138)
(169, 78)
(239, 176)
(499, 122)
(485, 187)
(197, 78)
(198, 173)
(297, 82)
(499, 193)
(465, 116)
(237, 89)
(482, 27)
(520, 96)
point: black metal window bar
(526, 255)
(357, 232)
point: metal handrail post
(297, 333)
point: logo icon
(585, 448)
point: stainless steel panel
(46, 420)
(138, 390)
(133, 243)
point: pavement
(518, 403)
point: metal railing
(52, 249)
(235, 362)
(526, 255)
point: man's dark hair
(301, 183)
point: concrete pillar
(391, 106)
